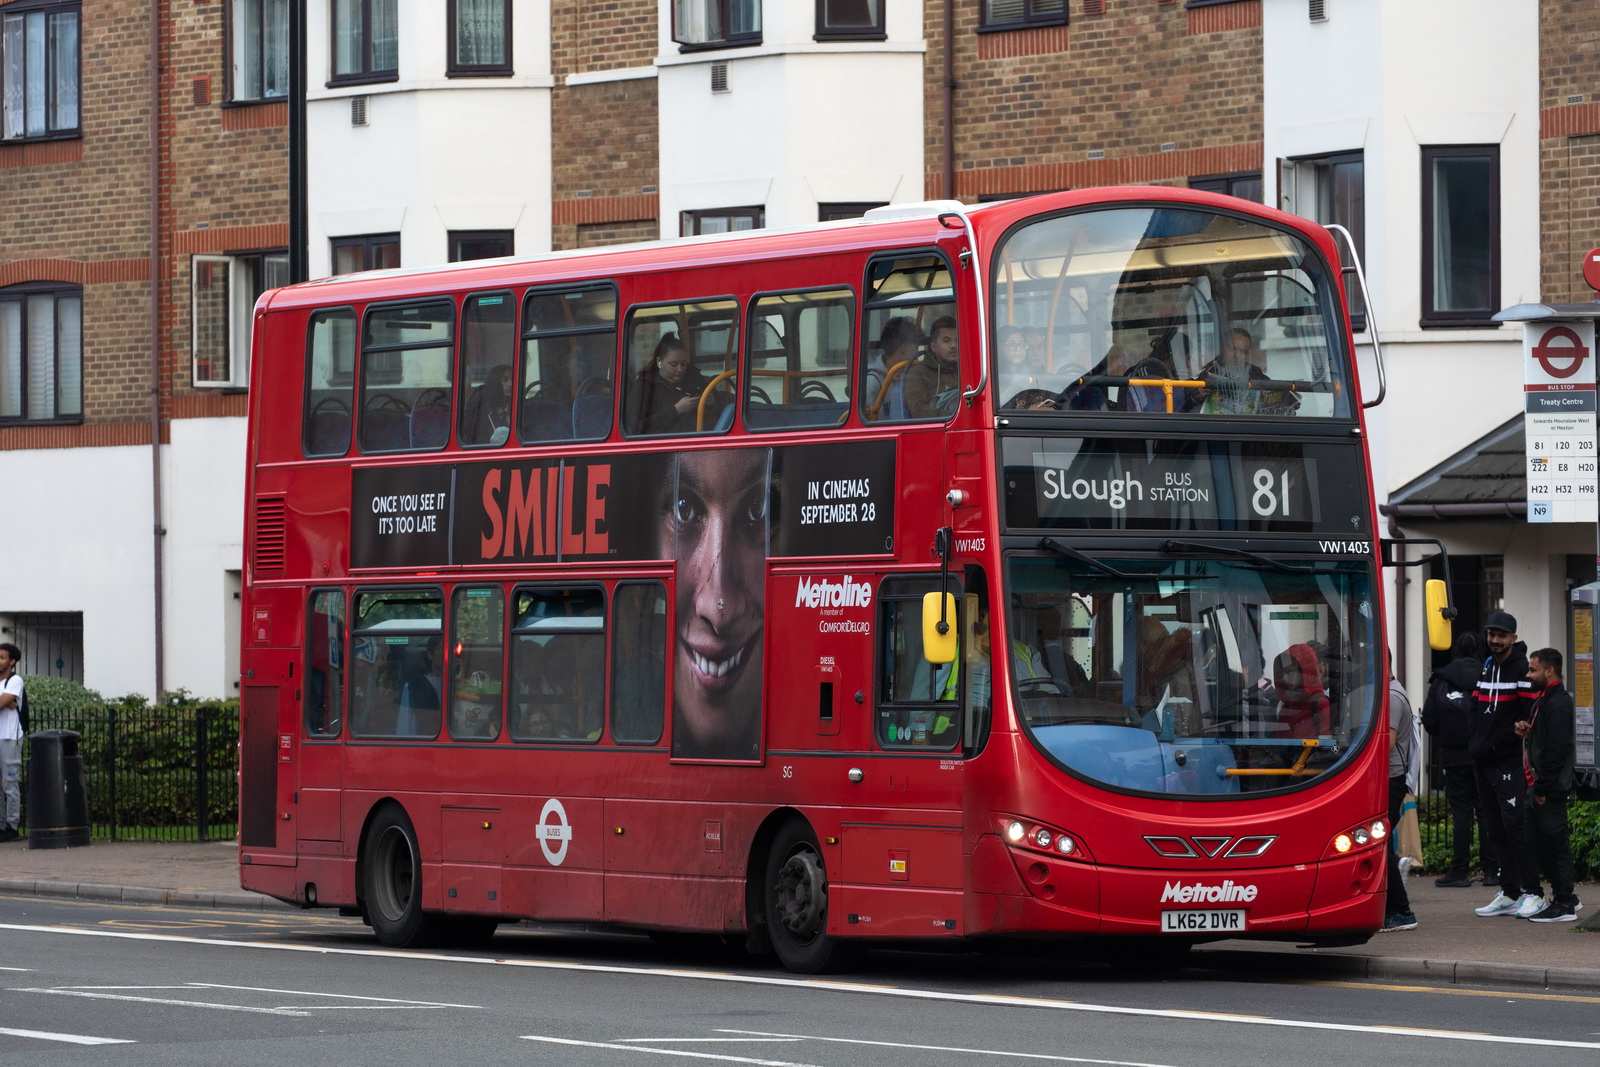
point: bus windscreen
(1193, 676)
(1166, 310)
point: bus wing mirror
(939, 609)
(1436, 597)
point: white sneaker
(1500, 905)
(1529, 904)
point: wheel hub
(802, 894)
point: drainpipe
(157, 533)
(1400, 583)
(949, 96)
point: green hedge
(1582, 816)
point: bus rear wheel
(392, 881)
(796, 892)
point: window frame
(22, 295)
(343, 665)
(689, 221)
(306, 410)
(737, 317)
(846, 210)
(49, 8)
(1308, 205)
(459, 237)
(724, 7)
(452, 639)
(617, 666)
(369, 243)
(864, 311)
(230, 27)
(748, 373)
(1030, 19)
(527, 334)
(605, 652)
(366, 75)
(453, 69)
(885, 596)
(463, 390)
(365, 366)
(876, 32)
(1432, 318)
(1205, 183)
(240, 320)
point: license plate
(1202, 922)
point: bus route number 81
(1271, 498)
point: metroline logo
(825, 594)
(1200, 893)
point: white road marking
(71, 1039)
(168, 1001)
(754, 1040)
(664, 1051)
(947, 1048)
(127, 993)
(397, 1001)
(16, 968)
(819, 986)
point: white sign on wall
(1558, 364)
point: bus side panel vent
(268, 551)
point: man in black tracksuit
(1550, 752)
(1447, 716)
(1504, 694)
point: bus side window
(330, 374)
(488, 348)
(476, 675)
(638, 662)
(396, 677)
(406, 381)
(569, 354)
(558, 654)
(919, 703)
(681, 368)
(911, 345)
(324, 686)
(797, 361)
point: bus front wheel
(796, 891)
(392, 881)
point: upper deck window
(1166, 310)
(681, 361)
(569, 353)
(911, 352)
(798, 364)
(406, 357)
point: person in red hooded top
(1303, 704)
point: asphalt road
(117, 984)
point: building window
(480, 244)
(258, 35)
(480, 38)
(41, 352)
(374, 251)
(1245, 186)
(840, 212)
(1332, 190)
(850, 20)
(716, 23)
(39, 57)
(223, 300)
(366, 40)
(1460, 235)
(721, 220)
(1021, 14)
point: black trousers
(1398, 901)
(1504, 793)
(1461, 791)
(1552, 844)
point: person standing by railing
(10, 740)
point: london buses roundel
(554, 835)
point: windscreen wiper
(1192, 548)
(1082, 557)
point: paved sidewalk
(1451, 944)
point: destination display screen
(1054, 483)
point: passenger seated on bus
(1033, 400)
(1227, 390)
(486, 419)
(897, 343)
(1038, 352)
(666, 395)
(1017, 371)
(417, 709)
(1303, 705)
(933, 383)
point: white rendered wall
(86, 546)
(438, 154)
(205, 468)
(802, 123)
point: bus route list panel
(1559, 391)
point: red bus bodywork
(913, 842)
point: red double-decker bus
(955, 573)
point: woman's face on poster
(717, 518)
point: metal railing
(166, 772)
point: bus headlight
(1041, 837)
(1036, 836)
(1015, 832)
(1369, 832)
(1065, 845)
(1379, 830)
(1361, 835)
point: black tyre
(796, 893)
(470, 931)
(391, 881)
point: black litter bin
(58, 802)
